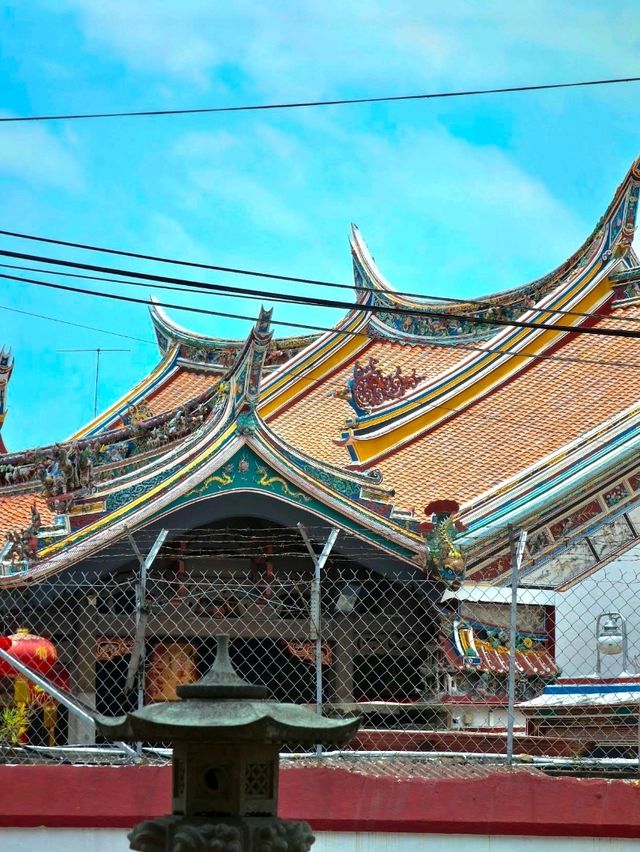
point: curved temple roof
(216, 352)
(507, 305)
(517, 420)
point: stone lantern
(226, 738)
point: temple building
(422, 431)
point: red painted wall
(335, 800)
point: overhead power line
(422, 96)
(109, 280)
(232, 270)
(530, 427)
(76, 324)
(221, 289)
(481, 304)
(199, 290)
(467, 347)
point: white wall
(115, 840)
(484, 716)
(614, 587)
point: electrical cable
(108, 280)
(202, 287)
(540, 87)
(313, 301)
(479, 303)
(77, 325)
(325, 329)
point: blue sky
(458, 197)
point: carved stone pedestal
(239, 834)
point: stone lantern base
(225, 834)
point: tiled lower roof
(543, 408)
(315, 421)
(178, 389)
(538, 662)
(182, 386)
(15, 512)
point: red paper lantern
(36, 652)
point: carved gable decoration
(370, 388)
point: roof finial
(222, 680)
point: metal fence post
(517, 550)
(315, 615)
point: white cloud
(306, 47)
(159, 36)
(235, 173)
(173, 240)
(462, 211)
(34, 154)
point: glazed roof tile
(541, 410)
(546, 406)
(316, 420)
(179, 388)
(182, 386)
(15, 511)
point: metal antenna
(97, 350)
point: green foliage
(14, 721)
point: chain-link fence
(475, 676)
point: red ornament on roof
(442, 507)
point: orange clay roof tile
(316, 420)
(180, 388)
(543, 408)
(15, 512)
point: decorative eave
(627, 284)
(216, 353)
(570, 539)
(582, 287)
(233, 450)
(580, 505)
(619, 218)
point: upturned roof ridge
(382, 288)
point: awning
(496, 661)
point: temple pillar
(83, 672)
(344, 651)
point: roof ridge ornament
(247, 372)
(369, 387)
